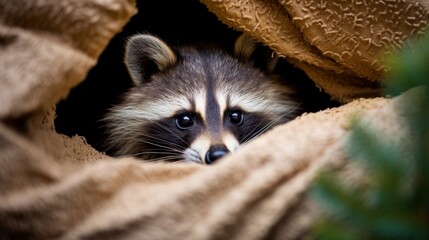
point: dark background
(176, 22)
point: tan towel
(56, 187)
(341, 45)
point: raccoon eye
(184, 121)
(236, 117)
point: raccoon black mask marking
(195, 104)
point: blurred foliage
(393, 202)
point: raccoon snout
(215, 152)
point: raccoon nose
(214, 153)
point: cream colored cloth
(56, 187)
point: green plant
(393, 202)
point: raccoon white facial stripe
(155, 110)
(255, 103)
(249, 102)
(222, 101)
(201, 145)
(230, 142)
(200, 104)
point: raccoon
(196, 104)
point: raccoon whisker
(185, 161)
(159, 155)
(154, 152)
(270, 124)
(254, 127)
(160, 160)
(164, 159)
(267, 127)
(259, 132)
(252, 134)
(192, 155)
(193, 160)
(166, 128)
(161, 146)
(161, 140)
(139, 154)
(157, 150)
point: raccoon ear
(147, 54)
(248, 50)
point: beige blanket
(56, 187)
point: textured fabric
(58, 187)
(47, 47)
(341, 45)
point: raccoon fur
(195, 104)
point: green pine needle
(393, 202)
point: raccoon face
(195, 104)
